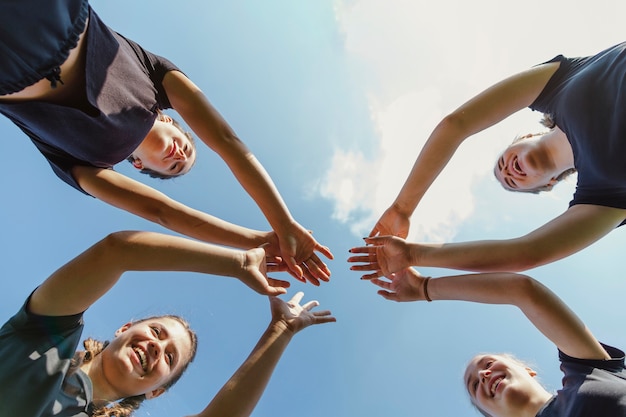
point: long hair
(127, 406)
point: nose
(155, 350)
(484, 374)
(180, 155)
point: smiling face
(498, 384)
(166, 150)
(145, 356)
(525, 166)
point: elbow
(527, 290)
(455, 124)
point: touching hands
(297, 249)
(295, 316)
(404, 285)
(384, 255)
(393, 223)
(254, 271)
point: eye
(488, 364)
(170, 359)
(155, 330)
(173, 167)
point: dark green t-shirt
(36, 352)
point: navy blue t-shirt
(124, 90)
(591, 388)
(586, 97)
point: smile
(517, 168)
(495, 384)
(142, 358)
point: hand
(296, 317)
(385, 255)
(393, 223)
(254, 273)
(297, 250)
(404, 285)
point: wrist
(281, 328)
(425, 292)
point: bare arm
(144, 201)
(82, 281)
(575, 229)
(241, 393)
(296, 243)
(548, 313)
(486, 109)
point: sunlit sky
(336, 99)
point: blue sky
(335, 98)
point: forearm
(479, 256)
(258, 184)
(150, 204)
(545, 310)
(78, 284)
(432, 159)
(241, 393)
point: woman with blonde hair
(594, 382)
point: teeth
(494, 386)
(142, 358)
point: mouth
(517, 168)
(172, 151)
(494, 385)
(143, 360)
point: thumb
(295, 268)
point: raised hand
(384, 255)
(255, 269)
(297, 249)
(404, 285)
(295, 316)
(393, 223)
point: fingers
(324, 250)
(278, 283)
(297, 298)
(308, 306)
(295, 269)
(392, 296)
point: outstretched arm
(135, 197)
(297, 245)
(241, 393)
(574, 230)
(486, 109)
(550, 315)
(82, 281)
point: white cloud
(417, 63)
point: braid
(123, 408)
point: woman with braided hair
(43, 376)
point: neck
(102, 392)
(559, 149)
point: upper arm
(578, 227)
(122, 192)
(194, 107)
(503, 99)
(550, 315)
(79, 283)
